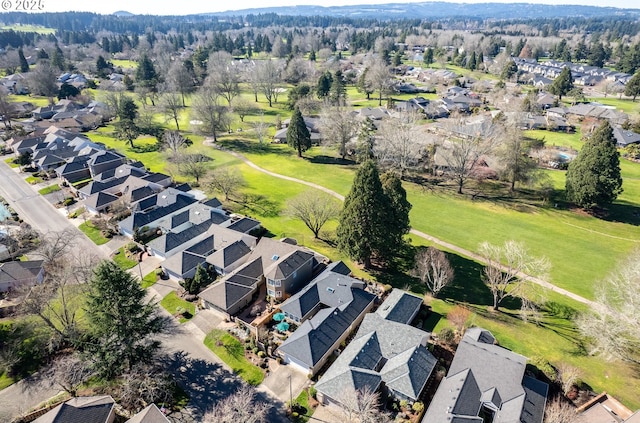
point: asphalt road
(37, 211)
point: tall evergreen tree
(593, 177)
(362, 225)
(126, 129)
(146, 74)
(632, 89)
(562, 84)
(121, 323)
(24, 65)
(398, 208)
(338, 92)
(324, 85)
(298, 135)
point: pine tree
(593, 177)
(510, 69)
(298, 135)
(361, 230)
(121, 323)
(24, 65)
(338, 92)
(324, 85)
(632, 89)
(428, 56)
(562, 84)
(398, 208)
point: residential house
(280, 267)
(149, 212)
(149, 414)
(330, 308)
(98, 409)
(604, 408)
(313, 125)
(487, 383)
(384, 356)
(18, 274)
(624, 137)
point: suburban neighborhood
(295, 215)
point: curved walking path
(447, 245)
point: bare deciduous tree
(508, 267)
(194, 166)
(42, 80)
(223, 76)
(338, 126)
(226, 180)
(54, 246)
(69, 372)
(433, 269)
(314, 209)
(175, 142)
(362, 406)
(268, 72)
(261, 127)
(170, 105)
(241, 406)
(612, 326)
(242, 107)
(400, 144)
(463, 151)
(145, 384)
(379, 77)
(459, 316)
(567, 376)
(559, 410)
(209, 110)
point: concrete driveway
(278, 382)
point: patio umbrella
(282, 326)
(278, 317)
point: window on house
(295, 274)
(271, 292)
(278, 283)
(278, 294)
(271, 282)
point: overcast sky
(178, 7)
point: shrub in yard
(447, 336)
(543, 366)
(255, 350)
(417, 407)
(261, 354)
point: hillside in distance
(440, 10)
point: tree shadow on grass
(623, 212)
(258, 204)
(324, 159)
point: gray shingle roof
(313, 339)
(244, 225)
(80, 410)
(485, 373)
(400, 306)
(229, 254)
(150, 414)
(394, 351)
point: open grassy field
(28, 28)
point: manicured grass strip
(49, 189)
(11, 163)
(172, 302)
(121, 260)
(5, 380)
(93, 233)
(149, 280)
(33, 180)
(231, 351)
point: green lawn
(29, 28)
(11, 163)
(149, 280)
(93, 233)
(302, 400)
(121, 260)
(49, 189)
(231, 351)
(33, 180)
(171, 303)
(5, 380)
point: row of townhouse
(582, 74)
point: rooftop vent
(275, 257)
(329, 289)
